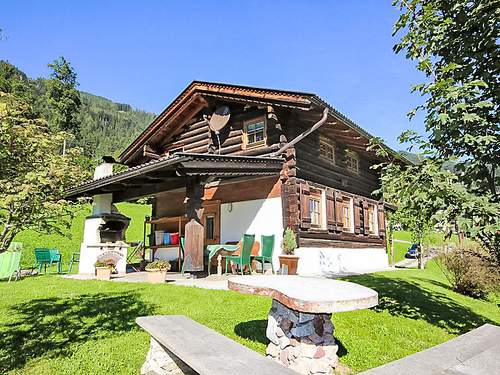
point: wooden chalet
(263, 172)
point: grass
(70, 243)
(51, 325)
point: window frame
(317, 196)
(246, 123)
(327, 143)
(349, 203)
(212, 218)
(354, 155)
(375, 219)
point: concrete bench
(180, 345)
(474, 353)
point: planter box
(103, 273)
(156, 276)
(291, 262)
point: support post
(194, 230)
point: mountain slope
(108, 127)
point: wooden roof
(194, 98)
(169, 173)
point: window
(347, 218)
(352, 161)
(209, 228)
(254, 133)
(315, 210)
(327, 150)
(372, 219)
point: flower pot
(291, 262)
(103, 273)
(156, 276)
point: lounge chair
(266, 252)
(10, 265)
(244, 258)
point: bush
(470, 270)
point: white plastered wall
(259, 217)
(316, 261)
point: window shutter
(338, 211)
(366, 223)
(305, 215)
(357, 216)
(381, 220)
(330, 210)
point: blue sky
(145, 52)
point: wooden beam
(145, 191)
(303, 135)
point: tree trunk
(393, 258)
(6, 237)
(421, 256)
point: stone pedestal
(301, 341)
(299, 326)
(161, 361)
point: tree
(63, 97)
(17, 83)
(33, 173)
(455, 44)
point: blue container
(166, 238)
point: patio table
(217, 248)
(299, 325)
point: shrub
(161, 265)
(289, 243)
(470, 270)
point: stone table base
(301, 341)
(161, 361)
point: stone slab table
(299, 325)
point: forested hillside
(102, 126)
(107, 127)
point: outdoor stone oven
(104, 233)
(113, 228)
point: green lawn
(70, 243)
(50, 325)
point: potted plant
(288, 247)
(103, 270)
(105, 264)
(157, 271)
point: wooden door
(211, 222)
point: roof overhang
(170, 173)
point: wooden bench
(180, 345)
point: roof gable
(194, 98)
